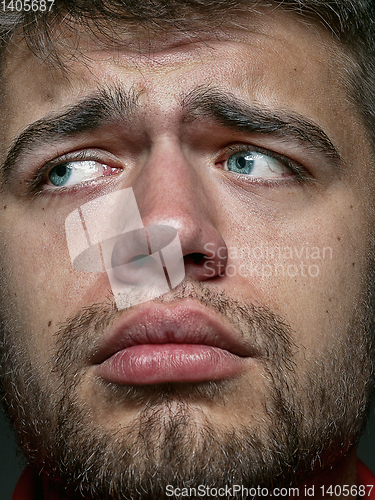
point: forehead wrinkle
(109, 103)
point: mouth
(179, 342)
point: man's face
(233, 366)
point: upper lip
(184, 322)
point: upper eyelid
(267, 152)
(85, 154)
(75, 156)
(92, 155)
(82, 155)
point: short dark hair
(350, 22)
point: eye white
(74, 172)
(255, 164)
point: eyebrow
(115, 102)
(232, 112)
(107, 104)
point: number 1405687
(27, 5)
(347, 490)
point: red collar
(29, 486)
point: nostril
(196, 258)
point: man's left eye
(256, 164)
(71, 173)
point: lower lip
(161, 363)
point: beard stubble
(309, 420)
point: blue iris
(241, 162)
(60, 174)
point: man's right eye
(71, 173)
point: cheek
(309, 270)
(40, 288)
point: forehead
(271, 58)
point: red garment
(29, 485)
(366, 478)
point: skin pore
(173, 147)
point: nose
(170, 192)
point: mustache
(78, 337)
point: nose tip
(200, 249)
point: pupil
(61, 170)
(241, 162)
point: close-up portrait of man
(187, 247)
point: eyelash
(300, 172)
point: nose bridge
(167, 188)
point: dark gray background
(11, 463)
